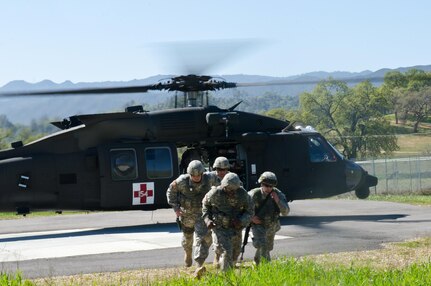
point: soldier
(227, 209)
(265, 222)
(221, 166)
(185, 195)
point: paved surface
(113, 241)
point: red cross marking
(143, 193)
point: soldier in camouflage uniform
(265, 222)
(185, 195)
(227, 209)
(221, 167)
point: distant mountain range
(24, 109)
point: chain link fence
(400, 175)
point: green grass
(290, 271)
(424, 200)
(14, 280)
(425, 242)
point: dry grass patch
(129, 277)
(413, 144)
(392, 255)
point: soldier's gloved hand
(178, 213)
(275, 197)
(236, 223)
(256, 220)
(210, 224)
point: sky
(107, 40)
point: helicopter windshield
(336, 151)
(319, 150)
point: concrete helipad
(89, 241)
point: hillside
(24, 109)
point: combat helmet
(195, 168)
(221, 163)
(231, 182)
(268, 178)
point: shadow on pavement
(160, 227)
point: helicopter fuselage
(126, 161)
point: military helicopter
(126, 160)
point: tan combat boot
(200, 270)
(188, 258)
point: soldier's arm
(254, 219)
(206, 210)
(282, 203)
(173, 196)
(248, 212)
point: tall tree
(394, 83)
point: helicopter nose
(354, 174)
(357, 177)
(371, 180)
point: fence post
(420, 177)
(411, 178)
(374, 174)
(386, 173)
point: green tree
(407, 94)
(418, 105)
(394, 83)
(351, 118)
(417, 79)
(4, 134)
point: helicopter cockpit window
(320, 151)
(123, 164)
(158, 162)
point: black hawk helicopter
(126, 160)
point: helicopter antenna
(289, 127)
(234, 106)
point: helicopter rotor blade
(307, 81)
(203, 56)
(109, 90)
(188, 83)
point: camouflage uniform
(223, 163)
(185, 195)
(263, 234)
(230, 210)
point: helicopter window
(320, 151)
(158, 162)
(123, 164)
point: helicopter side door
(136, 176)
(327, 170)
(286, 156)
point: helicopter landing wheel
(362, 193)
